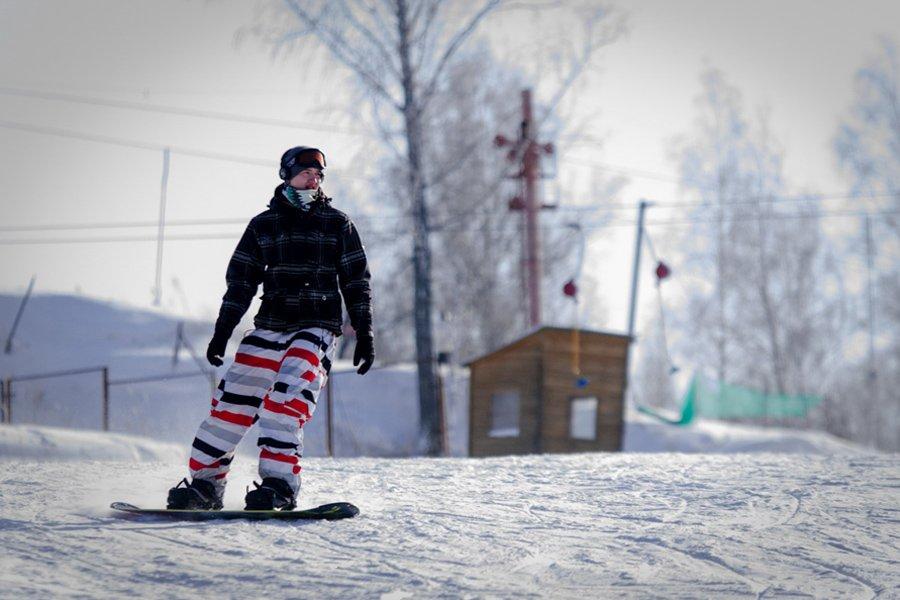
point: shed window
(505, 414)
(583, 419)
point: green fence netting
(717, 400)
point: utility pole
(870, 296)
(872, 375)
(157, 291)
(527, 152)
(636, 267)
(635, 272)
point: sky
(795, 60)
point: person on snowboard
(304, 251)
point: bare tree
(710, 165)
(476, 239)
(400, 53)
(765, 313)
(867, 148)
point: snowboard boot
(199, 494)
(272, 494)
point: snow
(56, 444)
(710, 510)
(644, 434)
(373, 415)
(560, 526)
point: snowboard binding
(272, 494)
(198, 494)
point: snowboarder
(303, 251)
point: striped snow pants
(275, 379)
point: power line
(174, 110)
(668, 178)
(764, 199)
(140, 224)
(773, 216)
(104, 139)
(396, 232)
(363, 218)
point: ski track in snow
(598, 525)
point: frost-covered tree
(867, 147)
(476, 239)
(759, 313)
(400, 54)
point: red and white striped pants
(275, 379)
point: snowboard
(327, 512)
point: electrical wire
(104, 139)
(380, 217)
(144, 224)
(175, 110)
(393, 233)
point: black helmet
(301, 157)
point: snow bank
(56, 444)
(644, 434)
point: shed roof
(537, 331)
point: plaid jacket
(302, 260)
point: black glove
(365, 351)
(216, 349)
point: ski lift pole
(636, 267)
(15, 324)
(160, 238)
(642, 207)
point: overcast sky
(797, 58)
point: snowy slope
(577, 526)
(54, 444)
(645, 434)
(373, 415)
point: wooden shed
(554, 390)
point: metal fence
(85, 398)
(8, 390)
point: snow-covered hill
(55, 444)
(645, 434)
(577, 526)
(66, 332)
(821, 518)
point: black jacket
(302, 260)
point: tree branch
(370, 37)
(453, 46)
(590, 46)
(336, 44)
